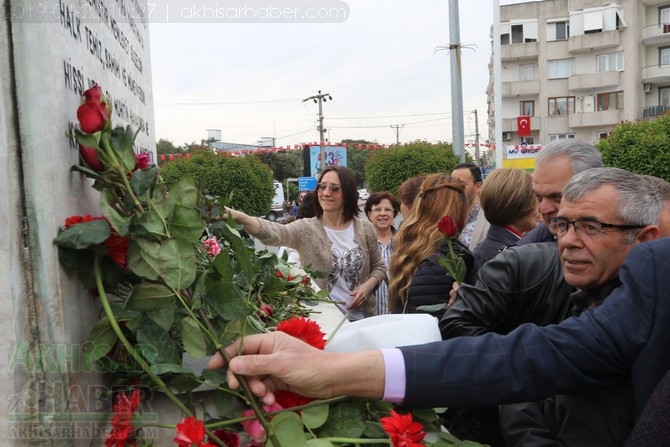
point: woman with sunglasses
(334, 241)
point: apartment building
(579, 67)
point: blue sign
(306, 183)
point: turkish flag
(523, 125)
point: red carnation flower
(117, 246)
(141, 161)
(229, 438)
(304, 329)
(403, 431)
(191, 433)
(122, 427)
(289, 399)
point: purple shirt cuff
(394, 377)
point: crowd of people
(556, 335)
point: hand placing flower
(453, 264)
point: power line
(222, 103)
(387, 116)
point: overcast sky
(379, 65)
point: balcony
(652, 111)
(657, 34)
(595, 119)
(510, 124)
(594, 80)
(518, 51)
(594, 41)
(520, 88)
(654, 2)
(656, 74)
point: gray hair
(659, 185)
(582, 155)
(637, 202)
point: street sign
(306, 183)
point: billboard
(335, 156)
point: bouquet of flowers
(175, 280)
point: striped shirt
(381, 293)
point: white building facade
(579, 67)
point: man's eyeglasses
(333, 187)
(560, 225)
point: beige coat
(308, 237)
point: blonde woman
(510, 206)
(417, 278)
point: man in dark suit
(624, 339)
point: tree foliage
(166, 147)
(357, 159)
(284, 164)
(387, 169)
(246, 180)
(642, 147)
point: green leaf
(148, 296)
(319, 443)
(346, 420)
(143, 258)
(177, 265)
(156, 345)
(186, 223)
(84, 235)
(163, 317)
(109, 209)
(142, 180)
(225, 299)
(85, 139)
(164, 368)
(121, 141)
(288, 429)
(100, 341)
(154, 224)
(184, 192)
(314, 417)
(193, 339)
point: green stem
(122, 173)
(357, 441)
(129, 347)
(253, 403)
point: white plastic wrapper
(385, 331)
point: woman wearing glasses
(381, 208)
(335, 241)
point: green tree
(246, 181)
(358, 158)
(642, 147)
(387, 169)
(166, 147)
(284, 164)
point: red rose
(265, 312)
(93, 94)
(448, 227)
(229, 438)
(90, 158)
(92, 116)
(141, 161)
(289, 399)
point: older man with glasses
(603, 213)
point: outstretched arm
(278, 361)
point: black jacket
(538, 234)
(497, 240)
(431, 283)
(520, 285)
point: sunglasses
(333, 187)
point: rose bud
(93, 94)
(90, 158)
(141, 161)
(265, 311)
(92, 116)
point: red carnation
(141, 161)
(448, 227)
(117, 249)
(304, 329)
(191, 432)
(229, 438)
(289, 399)
(403, 431)
(122, 426)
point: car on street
(363, 194)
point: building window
(518, 32)
(610, 101)
(560, 68)
(603, 135)
(558, 30)
(664, 96)
(561, 136)
(561, 105)
(528, 140)
(527, 108)
(527, 72)
(664, 56)
(664, 15)
(610, 62)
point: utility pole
(320, 99)
(476, 139)
(397, 132)
(456, 83)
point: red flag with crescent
(523, 125)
